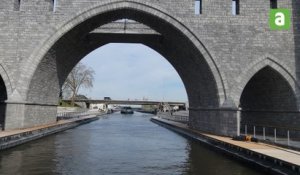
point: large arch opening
(202, 79)
(3, 98)
(268, 101)
(175, 46)
(134, 72)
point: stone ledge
(250, 156)
(26, 135)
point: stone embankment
(13, 138)
(268, 158)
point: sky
(132, 71)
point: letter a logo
(280, 19)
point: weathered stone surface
(216, 54)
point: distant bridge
(128, 102)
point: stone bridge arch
(6, 89)
(127, 9)
(48, 66)
(9, 86)
(267, 96)
(255, 67)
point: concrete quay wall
(259, 161)
(19, 138)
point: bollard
(288, 137)
(275, 139)
(238, 117)
(253, 131)
(264, 133)
(245, 129)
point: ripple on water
(118, 144)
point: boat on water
(126, 110)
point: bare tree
(80, 76)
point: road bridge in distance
(128, 102)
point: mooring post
(288, 137)
(239, 121)
(275, 139)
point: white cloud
(133, 71)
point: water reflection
(118, 144)
(205, 161)
(29, 158)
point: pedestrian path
(61, 122)
(278, 153)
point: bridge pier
(219, 121)
(25, 115)
(14, 116)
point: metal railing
(274, 134)
(77, 114)
(173, 117)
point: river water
(118, 144)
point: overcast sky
(133, 71)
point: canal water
(117, 144)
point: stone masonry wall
(234, 44)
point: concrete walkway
(278, 153)
(61, 122)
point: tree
(80, 76)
